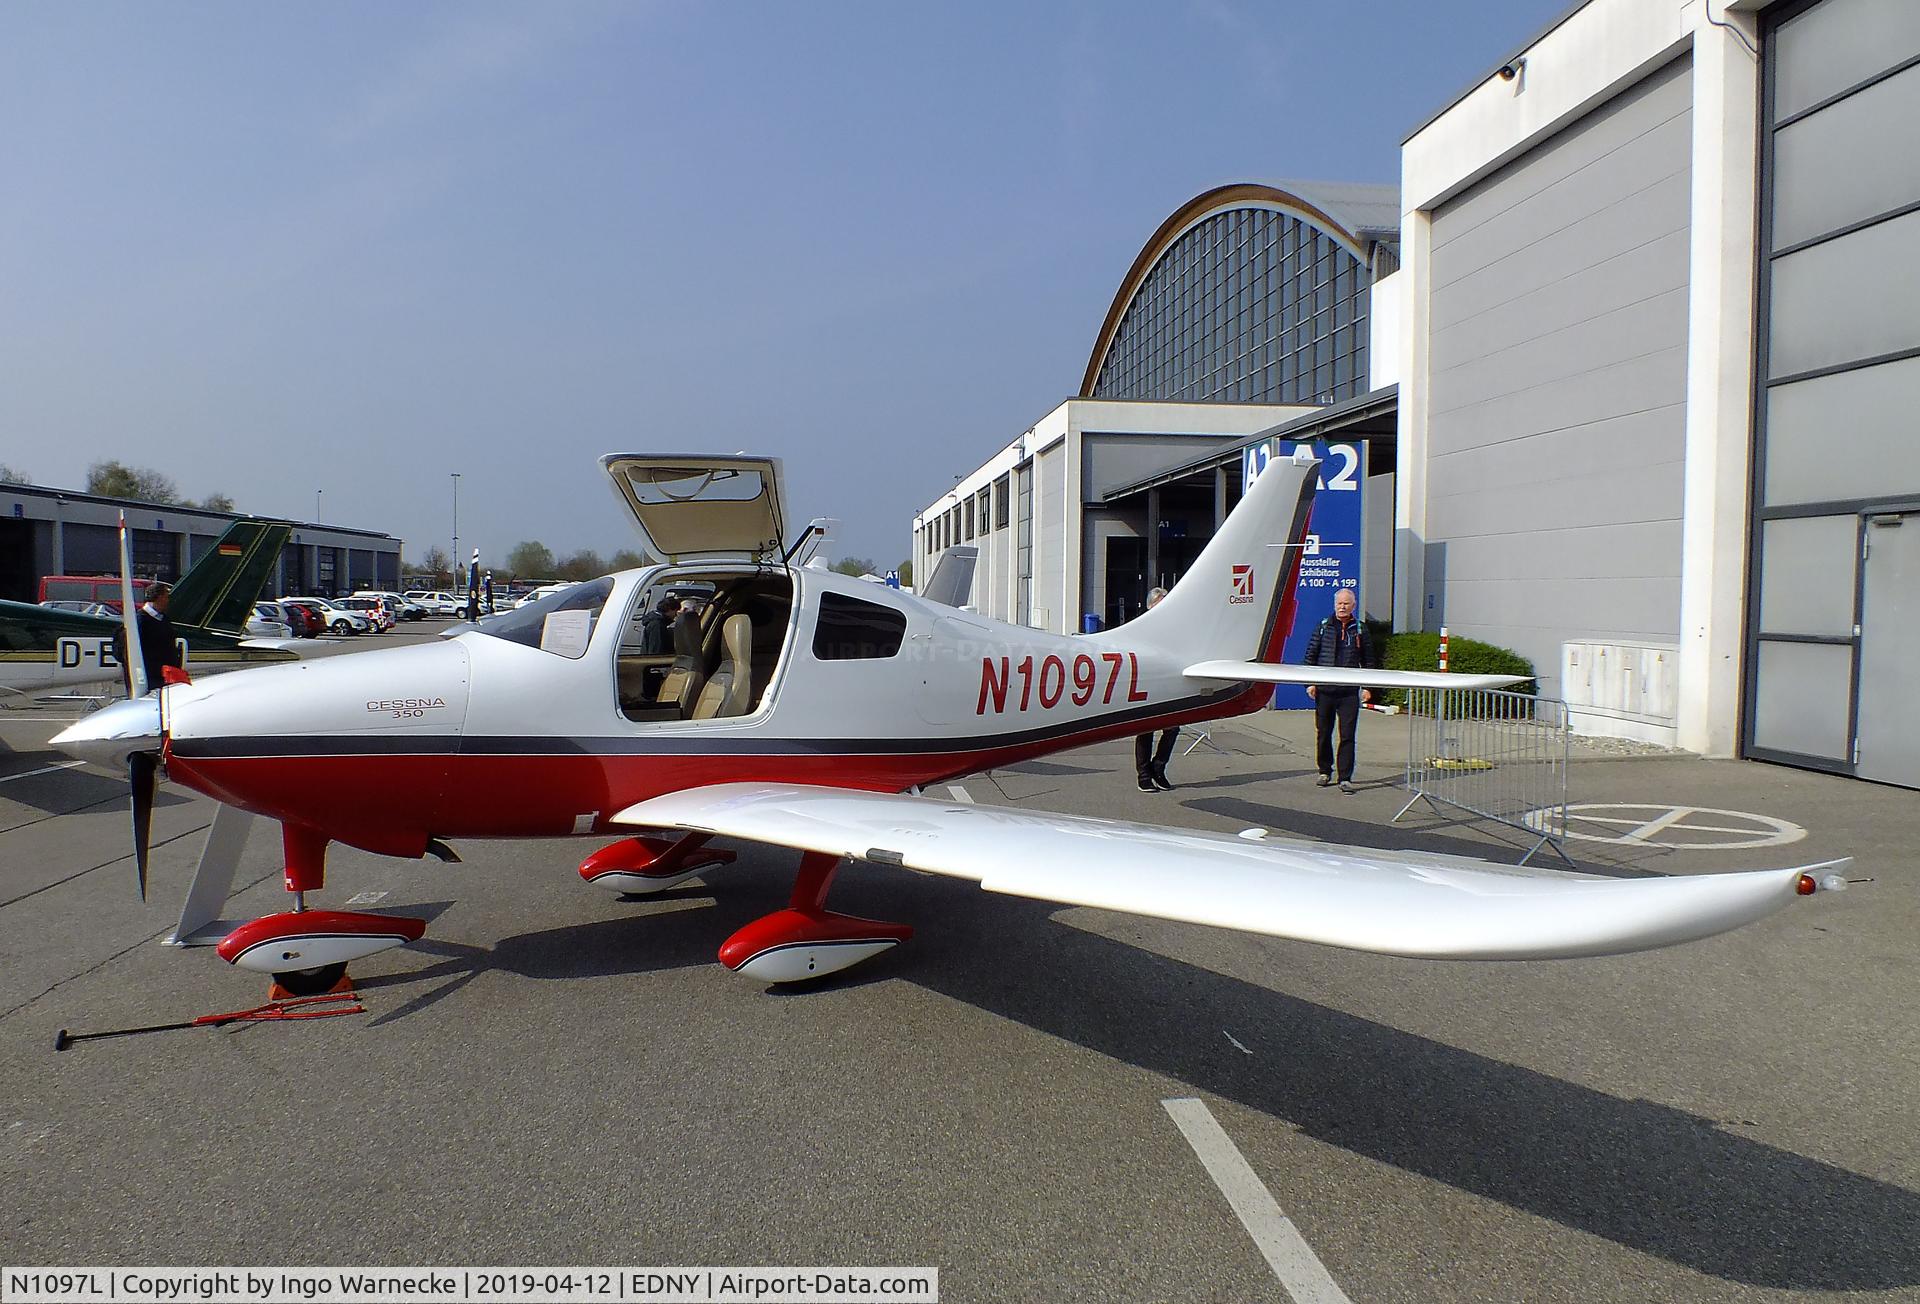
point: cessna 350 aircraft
(43, 650)
(804, 709)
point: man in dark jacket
(655, 625)
(1340, 640)
(159, 642)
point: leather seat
(685, 678)
(728, 689)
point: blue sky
(274, 249)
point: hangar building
(62, 532)
(1251, 307)
(1645, 369)
(1661, 351)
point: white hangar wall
(1574, 425)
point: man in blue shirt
(1340, 640)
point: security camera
(1508, 71)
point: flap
(697, 506)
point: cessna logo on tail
(1242, 584)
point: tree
(530, 560)
(437, 565)
(906, 572)
(114, 479)
(216, 502)
(855, 566)
(14, 475)
(583, 565)
(625, 559)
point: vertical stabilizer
(219, 590)
(1236, 600)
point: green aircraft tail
(219, 590)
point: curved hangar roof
(1353, 215)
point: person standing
(1339, 640)
(655, 625)
(159, 642)
(1150, 761)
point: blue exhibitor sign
(1332, 558)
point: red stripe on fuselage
(393, 803)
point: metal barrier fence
(1501, 756)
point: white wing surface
(1398, 903)
(1262, 672)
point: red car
(303, 621)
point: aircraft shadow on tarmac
(1644, 1175)
(68, 792)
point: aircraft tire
(312, 982)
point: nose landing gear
(305, 950)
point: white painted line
(366, 898)
(1659, 822)
(960, 794)
(28, 774)
(1236, 1042)
(1300, 1271)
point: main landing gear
(307, 951)
(806, 940)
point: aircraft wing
(1263, 672)
(1396, 903)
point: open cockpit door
(698, 507)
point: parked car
(303, 621)
(542, 592)
(337, 619)
(265, 622)
(438, 602)
(374, 609)
(81, 608)
(403, 608)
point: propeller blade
(142, 770)
(136, 661)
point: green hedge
(1464, 655)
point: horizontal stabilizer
(1261, 672)
(1396, 903)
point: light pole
(316, 505)
(454, 561)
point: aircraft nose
(113, 733)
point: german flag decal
(231, 550)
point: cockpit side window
(850, 629)
(561, 623)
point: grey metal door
(1889, 731)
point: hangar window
(1002, 501)
(968, 515)
(854, 630)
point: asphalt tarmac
(555, 1076)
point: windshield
(561, 623)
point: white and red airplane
(806, 709)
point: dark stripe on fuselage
(677, 743)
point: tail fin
(219, 590)
(1236, 600)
